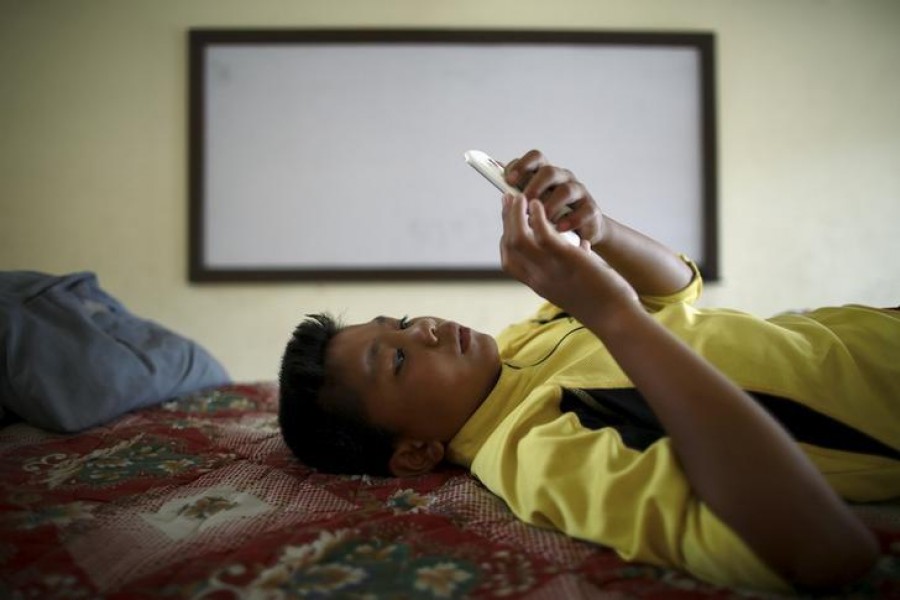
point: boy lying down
(702, 439)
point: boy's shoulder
(515, 334)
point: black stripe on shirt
(626, 410)
(556, 317)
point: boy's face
(420, 378)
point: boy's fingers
(537, 219)
(515, 232)
(537, 215)
(511, 173)
(544, 182)
(506, 200)
(532, 160)
(520, 170)
(512, 212)
(568, 195)
(515, 222)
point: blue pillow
(72, 356)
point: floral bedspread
(199, 498)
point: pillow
(72, 356)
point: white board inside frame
(334, 155)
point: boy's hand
(649, 267)
(557, 188)
(573, 278)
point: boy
(706, 440)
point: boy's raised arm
(647, 265)
(738, 460)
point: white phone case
(491, 169)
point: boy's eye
(399, 359)
(399, 355)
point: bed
(199, 498)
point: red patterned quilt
(199, 498)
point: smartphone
(491, 169)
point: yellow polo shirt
(554, 472)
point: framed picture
(338, 154)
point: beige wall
(93, 154)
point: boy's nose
(426, 330)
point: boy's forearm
(649, 266)
(738, 460)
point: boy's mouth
(465, 336)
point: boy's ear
(415, 457)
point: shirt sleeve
(589, 485)
(548, 311)
(689, 294)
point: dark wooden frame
(201, 39)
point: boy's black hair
(323, 421)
